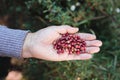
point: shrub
(100, 17)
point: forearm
(11, 42)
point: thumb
(65, 28)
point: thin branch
(41, 19)
(99, 17)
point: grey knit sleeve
(11, 42)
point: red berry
(70, 43)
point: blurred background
(99, 17)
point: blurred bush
(100, 17)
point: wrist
(25, 51)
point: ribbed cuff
(11, 42)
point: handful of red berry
(71, 43)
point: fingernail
(77, 29)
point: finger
(94, 43)
(65, 28)
(84, 56)
(87, 36)
(92, 50)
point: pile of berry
(70, 43)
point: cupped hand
(39, 44)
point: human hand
(39, 44)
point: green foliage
(100, 17)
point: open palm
(40, 44)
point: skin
(39, 44)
